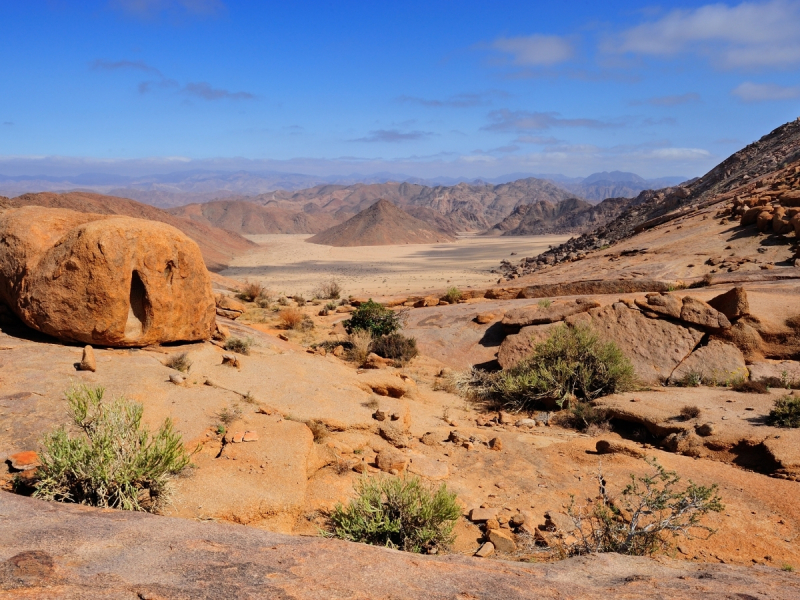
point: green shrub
(571, 363)
(583, 416)
(373, 317)
(691, 379)
(545, 303)
(395, 346)
(641, 520)
(398, 513)
(786, 412)
(115, 461)
(453, 295)
(179, 362)
(240, 345)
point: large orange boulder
(103, 280)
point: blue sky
(421, 88)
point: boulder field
(103, 280)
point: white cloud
(761, 92)
(747, 35)
(536, 50)
(680, 153)
(522, 120)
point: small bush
(395, 346)
(571, 363)
(690, 412)
(641, 520)
(692, 379)
(283, 301)
(179, 362)
(747, 386)
(226, 416)
(264, 302)
(318, 429)
(251, 291)
(786, 412)
(290, 318)
(398, 513)
(330, 290)
(239, 345)
(585, 417)
(453, 295)
(373, 317)
(115, 461)
(360, 341)
(545, 303)
(299, 299)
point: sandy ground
(287, 264)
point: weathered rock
(537, 314)
(427, 301)
(177, 379)
(388, 460)
(486, 549)
(107, 280)
(231, 360)
(750, 216)
(663, 304)
(503, 540)
(338, 352)
(764, 221)
(24, 461)
(654, 346)
(733, 303)
(496, 444)
(745, 337)
(788, 370)
(250, 436)
(376, 362)
(478, 515)
(430, 439)
(517, 347)
(697, 312)
(616, 447)
(705, 430)
(221, 332)
(88, 362)
(394, 435)
(716, 363)
(228, 303)
(485, 318)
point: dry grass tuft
(290, 318)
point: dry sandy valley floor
(287, 264)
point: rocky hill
(570, 216)
(761, 170)
(217, 245)
(248, 218)
(379, 225)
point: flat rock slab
(52, 551)
(541, 313)
(519, 346)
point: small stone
(506, 418)
(485, 318)
(379, 415)
(177, 379)
(283, 336)
(231, 360)
(250, 436)
(393, 435)
(376, 362)
(478, 515)
(237, 437)
(430, 439)
(496, 444)
(526, 423)
(705, 430)
(502, 540)
(338, 351)
(388, 461)
(486, 549)
(395, 416)
(24, 461)
(360, 467)
(492, 524)
(468, 445)
(88, 362)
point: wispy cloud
(763, 92)
(457, 101)
(393, 136)
(202, 89)
(536, 50)
(688, 98)
(748, 35)
(149, 9)
(522, 121)
(123, 65)
(538, 140)
(8, 123)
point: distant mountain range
(188, 187)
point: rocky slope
(126, 556)
(764, 169)
(570, 216)
(379, 225)
(217, 245)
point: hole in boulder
(138, 308)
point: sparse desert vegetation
(375, 318)
(114, 461)
(239, 345)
